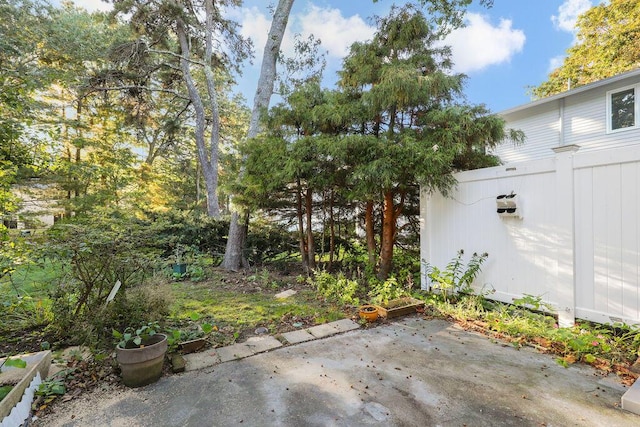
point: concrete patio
(412, 372)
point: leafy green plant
(338, 289)
(390, 289)
(532, 302)
(14, 363)
(132, 338)
(24, 311)
(4, 390)
(456, 277)
(525, 323)
(192, 331)
(50, 388)
(101, 250)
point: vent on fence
(508, 205)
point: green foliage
(383, 292)
(15, 252)
(100, 250)
(603, 345)
(269, 243)
(456, 276)
(406, 264)
(532, 302)
(50, 388)
(194, 329)
(195, 263)
(608, 44)
(97, 251)
(4, 390)
(135, 337)
(336, 288)
(24, 312)
(140, 305)
(14, 363)
(190, 230)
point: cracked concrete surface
(412, 372)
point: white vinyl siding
(542, 133)
(582, 118)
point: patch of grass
(35, 279)
(233, 312)
(242, 309)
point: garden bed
(16, 405)
(400, 307)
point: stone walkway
(260, 344)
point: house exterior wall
(542, 130)
(577, 117)
(577, 244)
(38, 205)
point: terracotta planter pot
(369, 313)
(143, 366)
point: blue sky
(503, 50)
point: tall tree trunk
(233, 253)
(311, 249)
(390, 216)
(332, 231)
(78, 149)
(388, 236)
(301, 237)
(208, 158)
(370, 233)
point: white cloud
(568, 13)
(255, 25)
(336, 32)
(480, 44)
(555, 62)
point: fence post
(565, 223)
(424, 238)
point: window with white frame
(622, 109)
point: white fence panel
(607, 235)
(576, 245)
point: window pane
(622, 109)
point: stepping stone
(631, 399)
(286, 294)
(206, 359)
(234, 352)
(253, 345)
(295, 337)
(262, 344)
(178, 364)
(333, 328)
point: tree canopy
(134, 110)
(607, 44)
(397, 122)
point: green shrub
(270, 243)
(382, 292)
(190, 229)
(337, 289)
(98, 251)
(456, 277)
(24, 312)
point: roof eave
(571, 92)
